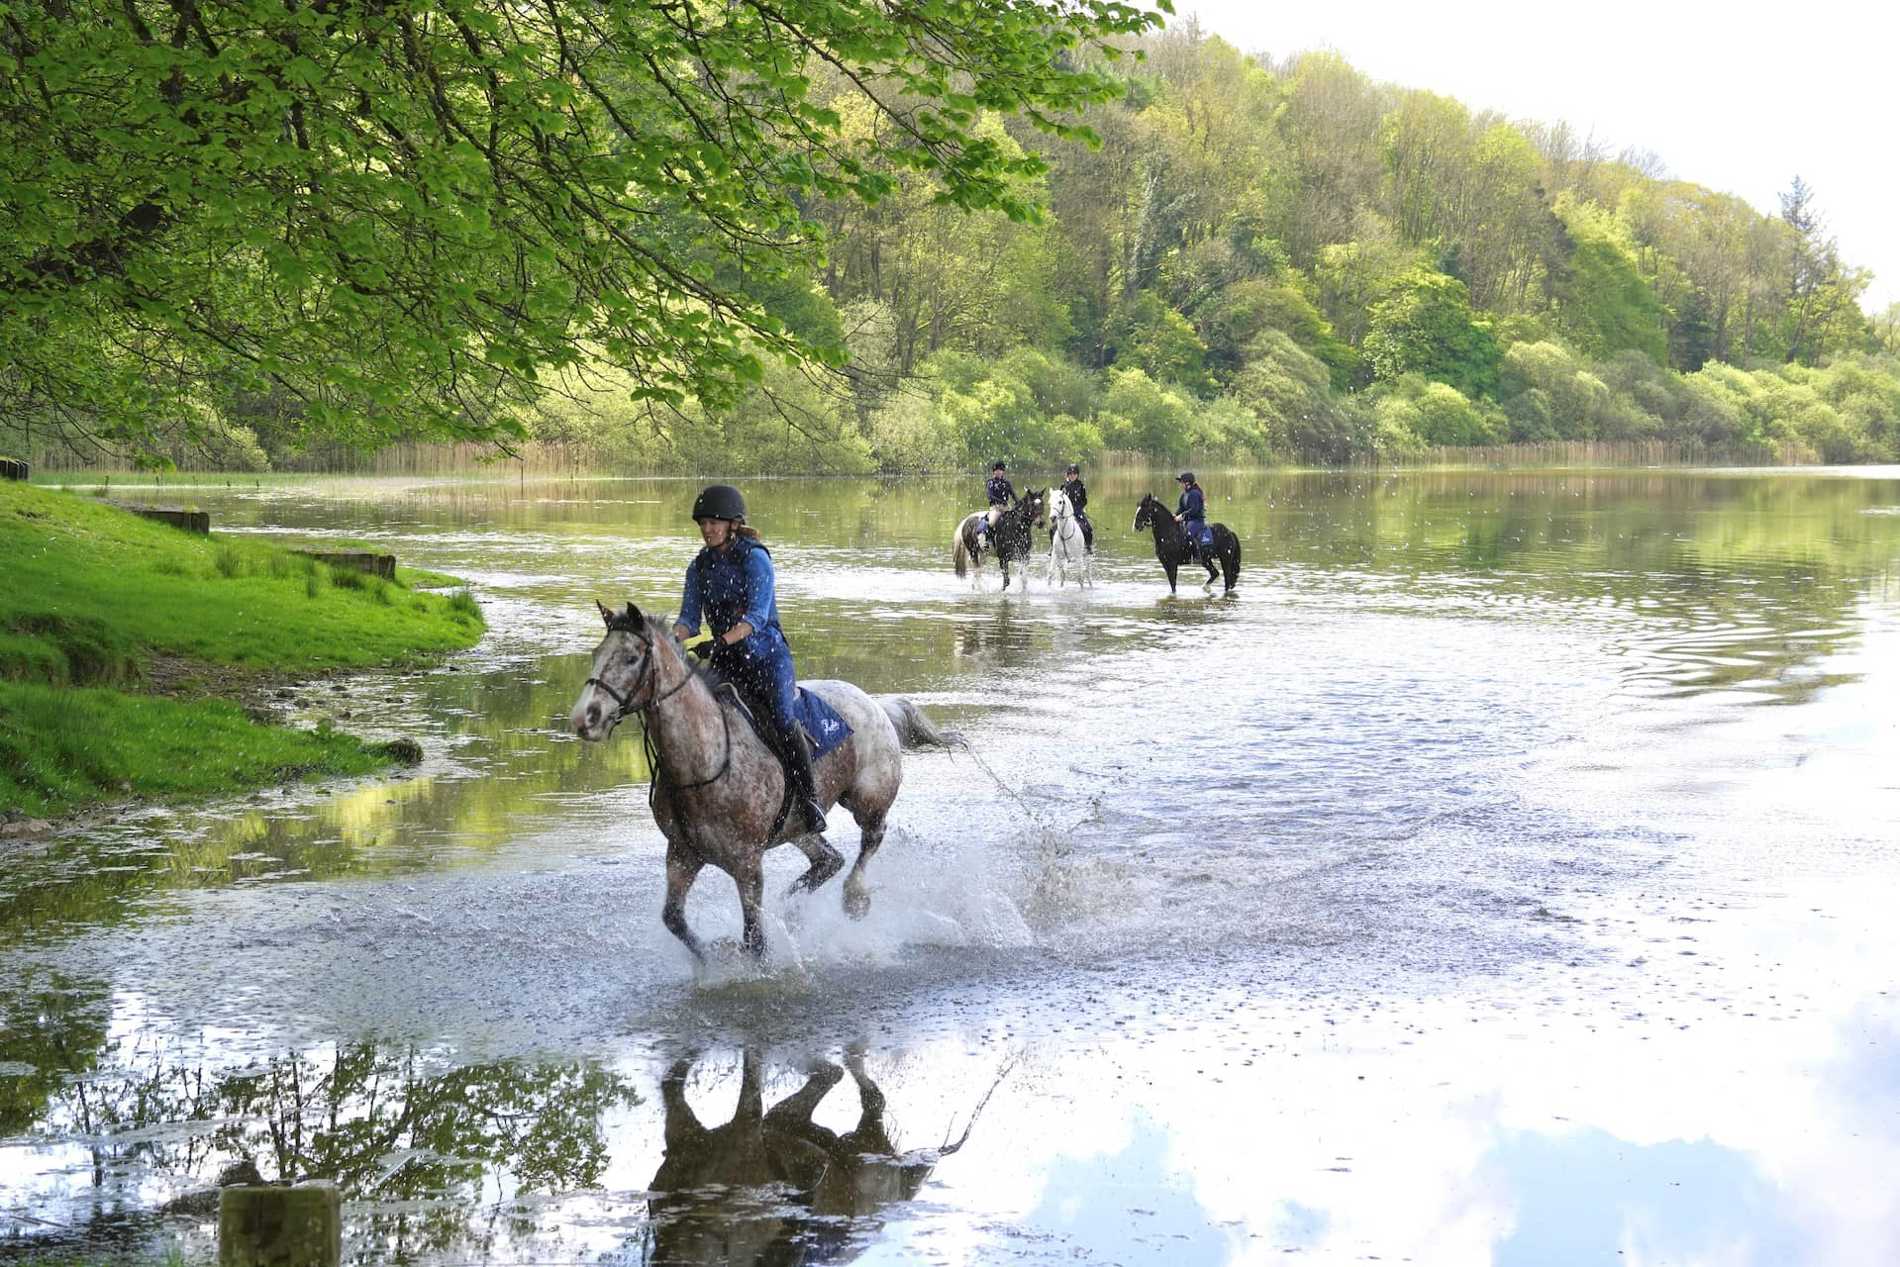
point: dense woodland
(1249, 262)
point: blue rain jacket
(734, 584)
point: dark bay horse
(1010, 536)
(1172, 549)
(717, 788)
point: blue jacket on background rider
(732, 584)
(1191, 513)
(1002, 495)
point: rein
(626, 707)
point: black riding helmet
(1185, 477)
(719, 501)
(998, 466)
(1072, 469)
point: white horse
(1067, 548)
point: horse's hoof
(857, 902)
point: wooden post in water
(277, 1225)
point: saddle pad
(821, 722)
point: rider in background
(1191, 513)
(1002, 497)
(1078, 498)
(731, 581)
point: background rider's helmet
(998, 466)
(1185, 477)
(1072, 469)
(719, 501)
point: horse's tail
(914, 730)
(1230, 563)
(959, 552)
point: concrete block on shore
(274, 1225)
(383, 565)
(189, 520)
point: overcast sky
(1739, 97)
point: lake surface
(1502, 875)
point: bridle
(625, 707)
(1064, 519)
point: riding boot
(797, 755)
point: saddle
(817, 723)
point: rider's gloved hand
(703, 650)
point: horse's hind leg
(682, 868)
(857, 895)
(793, 1114)
(825, 863)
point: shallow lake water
(1501, 875)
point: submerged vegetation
(98, 601)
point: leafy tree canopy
(1426, 326)
(398, 215)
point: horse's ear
(634, 616)
(606, 613)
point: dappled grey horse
(718, 789)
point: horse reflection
(774, 1187)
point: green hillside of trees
(1259, 262)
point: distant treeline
(1267, 263)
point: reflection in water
(1590, 1197)
(421, 1150)
(435, 1159)
(772, 1186)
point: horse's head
(1059, 507)
(622, 679)
(1035, 503)
(1146, 512)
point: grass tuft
(65, 747)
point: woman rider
(1191, 513)
(731, 582)
(1078, 499)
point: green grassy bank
(98, 607)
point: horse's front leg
(751, 881)
(1170, 567)
(682, 868)
(1004, 560)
